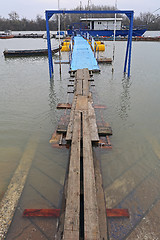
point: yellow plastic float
(65, 45)
(99, 46)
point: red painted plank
(41, 213)
(100, 106)
(64, 106)
(117, 212)
(56, 213)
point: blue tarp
(82, 55)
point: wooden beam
(91, 223)
(78, 87)
(71, 221)
(103, 131)
(64, 106)
(85, 82)
(82, 103)
(70, 125)
(104, 60)
(92, 122)
(100, 199)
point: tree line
(14, 23)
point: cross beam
(128, 13)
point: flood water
(28, 100)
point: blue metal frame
(129, 14)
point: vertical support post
(130, 43)
(125, 64)
(49, 48)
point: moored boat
(27, 53)
(103, 27)
(6, 35)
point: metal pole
(59, 39)
(125, 64)
(130, 43)
(49, 48)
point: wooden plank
(100, 106)
(85, 87)
(61, 129)
(117, 212)
(79, 74)
(70, 125)
(41, 213)
(104, 131)
(91, 223)
(100, 199)
(92, 123)
(85, 82)
(104, 60)
(78, 80)
(64, 106)
(79, 87)
(82, 103)
(86, 73)
(71, 221)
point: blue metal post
(49, 48)
(125, 63)
(130, 43)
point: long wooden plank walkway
(82, 216)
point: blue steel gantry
(128, 13)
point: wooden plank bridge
(81, 200)
(84, 214)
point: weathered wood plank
(85, 82)
(91, 223)
(71, 221)
(104, 131)
(86, 73)
(61, 129)
(100, 199)
(82, 103)
(70, 125)
(64, 106)
(79, 87)
(92, 123)
(79, 74)
(104, 60)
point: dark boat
(28, 53)
(103, 27)
(6, 35)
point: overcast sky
(30, 8)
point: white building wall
(109, 25)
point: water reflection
(125, 101)
(52, 94)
